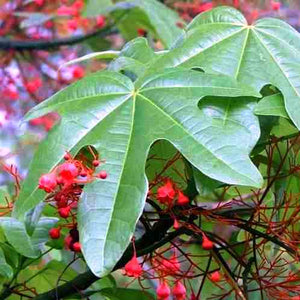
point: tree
(178, 167)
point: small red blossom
(207, 244)
(275, 5)
(176, 224)
(179, 291)
(182, 199)
(33, 85)
(133, 268)
(68, 171)
(64, 212)
(72, 25)
(78, 72)
(54, 233)
(96, 163)
(47, 182)
(141, 32)
(215, 276)
(100, 21)
(102, 175)
(163, 291)
(166, 193)
(77, 247)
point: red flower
(179, 291)
(68, 171)
(215, 276)
(72, 25)
(275, 5)
(77, 247)
(33, 85)
(207, 244)
(166, 193)
(163, 291)
(133, 268)
(102, 175)
(182, 199)
(47, 182)
(64, 212)
(54, 233)
(100, 21)
(78, 72)
(141, 32)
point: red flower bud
(215, 276)
(182, 199)
(64, 212)
(68, 171)
(179, 291)
(166, 193)
(102, 175)
(163, 291)
(275, 5)
(207, 244)
(54, 233)
(96, 163)
(47, 182)
(133, 268)
(77, 247)
(100, 21)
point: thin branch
(19, 45)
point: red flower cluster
(64, 184)
(166, 195)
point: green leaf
(268, 52)
(17, 236)
(125, 294)
(6, 270)
(204, 184)
(135, 57)
(151, 15)
(271, 106)
(110, 54)
(121, 121)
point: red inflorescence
(133, 268)
(166, 193)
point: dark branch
(8, 44)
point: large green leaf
(267, 52)
(121, 121)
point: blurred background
(37, 37)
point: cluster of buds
(64, 186)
